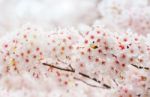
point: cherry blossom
(117, 63)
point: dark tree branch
(80, 73)
(140, 67)
(64, 69)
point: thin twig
(115, 82)
(86, 82)
(71, 68)
(61, 61)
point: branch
(80, 73)
(61, 61)
(115, 82)
(64, 69)
(86, 82)
(140, 67)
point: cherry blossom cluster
(108, 61)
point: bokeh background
(116, 15)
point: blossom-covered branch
(101, 56)
(80, 73)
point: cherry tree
(108, 61)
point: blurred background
(116, 15)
